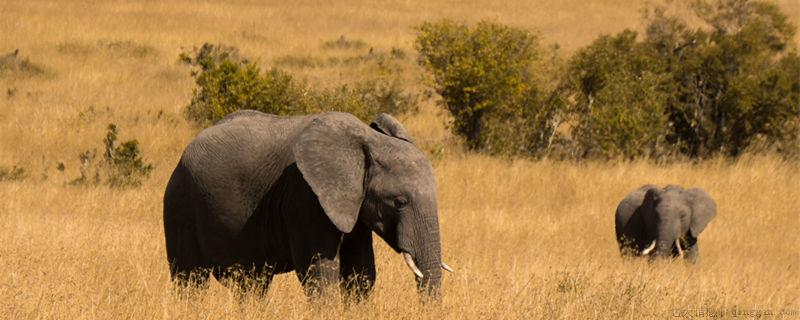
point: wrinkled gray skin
(664, 215)
(267, 194)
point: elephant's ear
(388, 125)
(330, 154)
(704, 209)
(651, 196)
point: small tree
(618, 100)
(480, 73)
(737, 82)
(702, 92)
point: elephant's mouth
(680, 245)
(413, 266)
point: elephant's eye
(400, 202)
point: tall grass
(527, 239)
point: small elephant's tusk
(678, 245)
(446, 267)
(412, 265)
(649, 248)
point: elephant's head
(375, 175)
(675, 217)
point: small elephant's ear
(388, 125)
(330, 154)
(704, 209)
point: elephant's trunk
(428, 256)
(667, 239)
(419, 239)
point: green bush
(122, 165)
(484, 77)
(126, 168)
(617, 100)
(697, 92)
(226, 82)
(736, 83)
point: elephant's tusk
(649, 248)
(412, 265)
(446, 267)
(678, 245)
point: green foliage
(12, 174)
(701, 92)
(365, 100)
(126, 166)
(483, 75)
(618, 103)
(737, 82)
(226, 82)
(122, 165)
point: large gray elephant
(663, 222)
(257, 194)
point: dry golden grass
(528, 239)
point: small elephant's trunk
(667, 240)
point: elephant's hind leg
(183, 255)
(183, 251)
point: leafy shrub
(226, 82)
(617, 103)
(701, 92)
(364, 100)
(122, 165)
(484, 75)
(126, 166)
(735, 83)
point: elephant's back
(235, 162)
(245, 138)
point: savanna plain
(528, 239)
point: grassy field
(527, 239)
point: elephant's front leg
(692, 251)
(357, 261)
(314, 252)
(320, 275)
(314, 243)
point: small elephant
(663, 222)
(258, 194)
